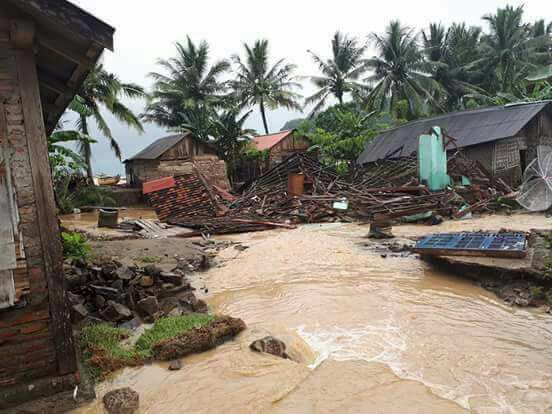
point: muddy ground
(161, 252)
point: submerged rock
(121, 401)
(199, 339)
(175, 365)
(270, 345)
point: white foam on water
(374, 343)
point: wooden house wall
(186, 149)
(179, 159)
(35, 335)
(288, 146)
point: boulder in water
(270, 345)
(121, 401)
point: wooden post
(44, 197)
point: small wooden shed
(281, 145)
(278, 147)
(175, 155)
(47, 48)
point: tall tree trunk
(263, 115)
(340, 98)
(86, 150)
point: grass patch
(103, 350)
(168, 328)
(149, 259)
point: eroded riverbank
(375, 334)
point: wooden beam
(22, 33)
(57, 46)
(53, 84)
(47, 224)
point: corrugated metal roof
(266, 142)
(467, 127)
(158, 148)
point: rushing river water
(373, 334)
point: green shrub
(75, 246)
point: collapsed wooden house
(176, 155)
(47, 48)
(503, 139)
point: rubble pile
(385, 190)
(112, 292)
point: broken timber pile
(385, 190)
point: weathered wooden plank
(44, 199)
(8, 260)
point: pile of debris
(112, 292)
(385, 190)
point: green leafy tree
(231, 137)
(399, 73)
(447, 52)
(103, 90)
(188, 82)
(340, 132)
(511, 49)
(340, 73)
(259, 83)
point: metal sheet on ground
(504, 244)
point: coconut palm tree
(259, 83)
(398, 73)
(509, 50)
(188, 83)
(103, 90)
(231, 137)
(339, 73)
(447, 52)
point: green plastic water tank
(432, 160)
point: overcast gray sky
(147, 30)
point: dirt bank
(164, 253)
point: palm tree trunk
(87, 151)
(263, 115)
(340, 98)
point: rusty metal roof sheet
(467, 127)
(266, 142)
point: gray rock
(118, 284)
(148, 306)
(75, 299)
(270, 345)
(121, 401)
(175, 365)
(131, 325)
(169, 277)
(152, 270)
(167, 305)
(78, 312)
(124, 273)
(105, 291)
(115, 312)
(99, 301)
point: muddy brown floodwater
(373, 334)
